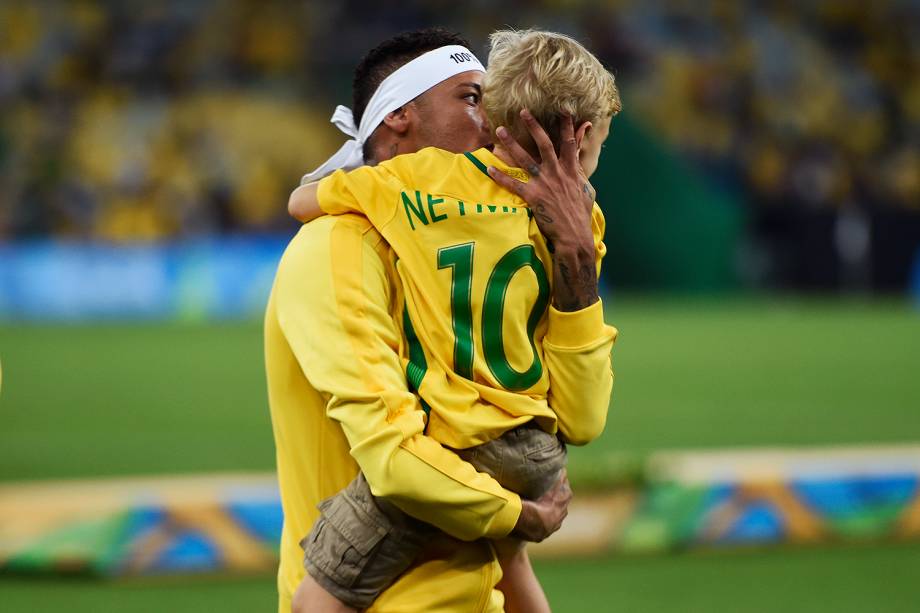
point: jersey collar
(483, 158)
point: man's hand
(540, 518)
(562, 199)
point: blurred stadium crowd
(137, 120)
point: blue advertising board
(226, 277)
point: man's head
(551, 75)
(448, 115)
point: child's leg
(528, 461)
(525, 460)
(522, 590)
(359, 546)
(310, 597)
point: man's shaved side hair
(381, 61)
(550, 75)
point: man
(332, 348)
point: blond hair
(550, 75)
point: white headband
(403, 85)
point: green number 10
(460, 259)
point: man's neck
(387, 146)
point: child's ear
(581, 132)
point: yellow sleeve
(333, 298)
(372, 191)
(576, 350)
(598, 226)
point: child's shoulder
(424, 159)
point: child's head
(551, 75)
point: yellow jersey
(339, 401)
(477, 280)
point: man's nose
(484, 121)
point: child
(474, 271)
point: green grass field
(808, 580)
(168, 398)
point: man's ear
(399, 120)
(581, 132)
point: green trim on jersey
(418, 365)
(477, 163)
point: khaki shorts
(360, 544)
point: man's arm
(333, 298)
(578, 343)
(576, 350)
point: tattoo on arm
(540, 211)
(578, 288)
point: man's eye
(473, 98)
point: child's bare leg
(522, 590)
(310, 597)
